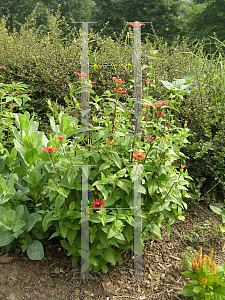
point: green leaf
(124, 184)
(168, 229)
(58, 203)
(130, 220)
(117, 160)
(71, 234)
(215, 209)
(65, 245)
(120, 236)
(47, 219)
(155, 230)
(121, 173)
(20, 170)
(156, 207)
(24, 124)
(104, 267)
(74, 260)
(31, 155)
(32, 219)
(19, 211)
(18, 225)
(5, 238)
(93, 261)
(63, 230)
(197, 289)
(112, 232)
(104, 166)
(152, 187)
(54, 235)
(2, 186)
(71, 178)
(35, 250)
(189, 274)
(219, 293)
(52, 124)
(72, 205)
(109, 255)
(103, 238)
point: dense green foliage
(196, 19)
(206, 21)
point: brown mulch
(52, 278)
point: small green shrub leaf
(35, 250)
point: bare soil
(52, 278)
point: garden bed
(52, 277)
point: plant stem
(53, 160)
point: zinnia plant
(50, 171)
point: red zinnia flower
(110, 143)
(160, 113)
(50, 149)
(11, 106)
(60, 138)
(147, 105)
(120, 91)
(139, 155)
(93, 82)
(97, 204)
(148, 79)
(163, 102)
(118, 80)
(81, 74)
(157, 105)
(135, 24)
(183, 166)
(151, 139)
(164, 138)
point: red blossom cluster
(81, 74)
(120, 91)
(163, 102)
(153, 139)
(135, 24)
(50, 149)
(157, 105)
(60, 138)
(118, 80)
(160, 113)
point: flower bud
(208, 263)
(200, 263)
(196, 267)
(214, 268)
(211, 254)
(193, 265)
(199, 255)
(204, 260)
